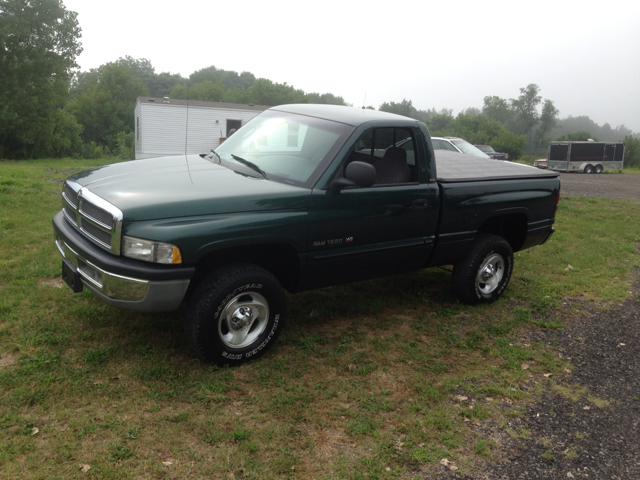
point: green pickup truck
(301, 197)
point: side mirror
(357, 174)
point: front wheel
(598, 169)
(235, 314)
(484, 274)
(588, 169)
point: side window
(443, 145)
(365, 144)
(391, 150)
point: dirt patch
(8, 359)
(52, 282)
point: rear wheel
(598, 169)
(484, 274)
(235, 314)
(588, 169)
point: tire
(235, 314)
(588, 169)
(598, 169)
(484, 274)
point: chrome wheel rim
(490, 274)
(243, 319)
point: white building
(166, 126)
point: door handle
(420, 203)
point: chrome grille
(97, 214)
(97, 219)
(70, 214)
(70, 194)
(96, 232)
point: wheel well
(513, 228)
(279, 259)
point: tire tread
(465, 271)
(196, 320)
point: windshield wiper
(213, 152)
(249, 164)
(216, 154)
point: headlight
(150, 251)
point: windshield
(289, 148)
(486, 148)
(467, 148)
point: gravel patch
(595, 434)
(604, 185)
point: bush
(125, 145)
(631, 152)
(91, 150)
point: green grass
(366, 387)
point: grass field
(379, 379)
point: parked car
(488, 149)
(541, 163)
(456, 144)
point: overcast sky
(436, 54)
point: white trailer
(165, 126)
(587, 157)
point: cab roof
(338, 113)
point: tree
(548, 121)
(106, 107)
(39, 43)
(432, 115)
(205, 91)
(525, 108)
(325, 99)
(478, 129)
(471, 111)
(584, 123)
(498, 109)
(262, 91)
(266, 92)
(228, 78)
(439, 123)
(429, 117)
(579, 136)
(158, 84)
(404, 108)
(631, 151)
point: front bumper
(120, 281)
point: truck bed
(458, 167)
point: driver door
(364, 232)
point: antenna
(364, 102)
(186, 133)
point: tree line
(49, 109)
(518, 126)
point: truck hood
(186, 185)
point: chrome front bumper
(123, 291)
(108, 284)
